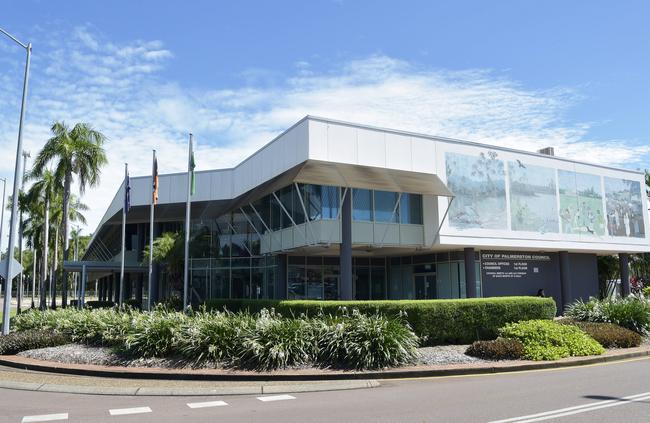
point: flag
(127, 192)
(192, 166)
(154, 174)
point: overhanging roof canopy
(366, 177)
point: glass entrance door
(425, 286)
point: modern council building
(335, 210)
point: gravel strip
(446, 354)
(105, 356)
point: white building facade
(334, 210)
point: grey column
(565, 280)
(623, 262)
(346, 247)
(470, 272)
(111, 283)
(281, 283)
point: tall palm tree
(43, 192)
(76, 152)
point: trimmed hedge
(497, 349)
(608, 335)
(436, 322)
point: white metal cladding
(328, 141)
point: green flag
(192, 166)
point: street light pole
(2, 214)
(19, 291)
(17, 182)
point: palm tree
(42, 193)
(74, 215)
(77, 152)
(168, 250)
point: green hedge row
(436, 322)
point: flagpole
(124, 206)
(151, 217)
(186, 282)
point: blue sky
(526, 74)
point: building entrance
(425, 286)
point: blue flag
(127, 192)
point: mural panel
(581, 203)
(624, 208)
(479, 185)
(533, 202)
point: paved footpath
(608, 392)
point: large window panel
(362, 205)
(331, 202)
(411, 209)
(297, 212)
(312, 196)
(385, 203)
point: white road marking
(276, 398)
(569, 411)
(206, 404)
(45, 418)
(125, 411)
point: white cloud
(117, 88)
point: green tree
(168, 250)
(40, 197)
(77, 152)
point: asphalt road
(614, 392)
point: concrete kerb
(304, 381)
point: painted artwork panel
(624, 208)
(478, 182)
(581, 203)
(533, 201)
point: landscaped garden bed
(303, 336)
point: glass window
(362, 204)
(411, 209)
(385, 203)
(362, 283)
(276, 214)
(313, 278)
(241, 283)
(296, 282)
(331, 281)
(330, 201)
(378, 279)
(312, 195)
(298, 213)
(285, 197)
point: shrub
(275, 342)
(99, 304)
(608, 335)
(433, 321)
(153, 334)
(213, 336)
(358, 341)
(265, 341)
(133, 303)
(497, 349)
(31, 339)
(631, 312)
(548, 340)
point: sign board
(16, 268)
(512, 265)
